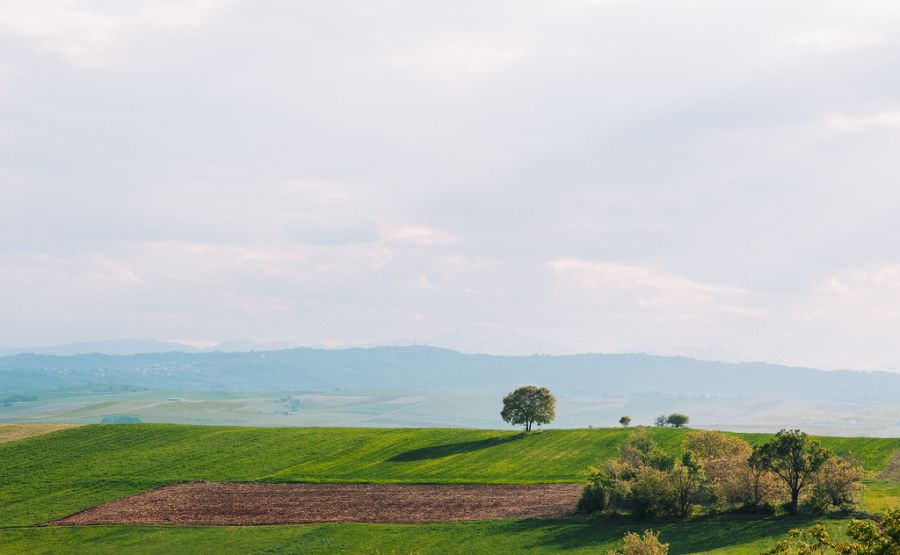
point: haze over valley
(428, 386)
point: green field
(733, 534)
(50, 476)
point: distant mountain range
(430, 368)
(117, 347)
(144, 346)
(473, 340)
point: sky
(706, 178)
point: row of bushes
(716, 471)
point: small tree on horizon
(661, 420)
(677, 420)
(625, 421)
(529, 405)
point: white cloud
(845, 123)
(417, 235)
(863, 295)
(90, 38)
(611, 281)
(834, 40)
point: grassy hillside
(725, 534)
(53, 475)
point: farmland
(50, 476)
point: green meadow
(724, 534)
(49, 476)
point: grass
(53, 475)
(879, 495)
(723, 534)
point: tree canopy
(529, 405)
(794, 457)
(677, 420)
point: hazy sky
(709, 178)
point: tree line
(715, 470)
(530, 405)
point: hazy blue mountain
(429, 368)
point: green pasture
(49, 476)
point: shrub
(652, 494)
(868, 539)
(594, 498)
(838, 481)
(648, 544)
(640, 450)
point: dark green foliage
(594, 497)
(640, 449)
(651, 494)
(793, 457)
(529, 405)
(625, 421)
(677, 420)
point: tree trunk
(795, 495)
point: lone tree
(793, 457)
(529, 405)
(661, 420)
(677, 419)
(625, 421)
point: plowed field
(241, 504)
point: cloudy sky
(717, 179)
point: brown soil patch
(892, 470)
(12, 432)
(228, 504)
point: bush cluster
(715, 471)
(865, 538)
